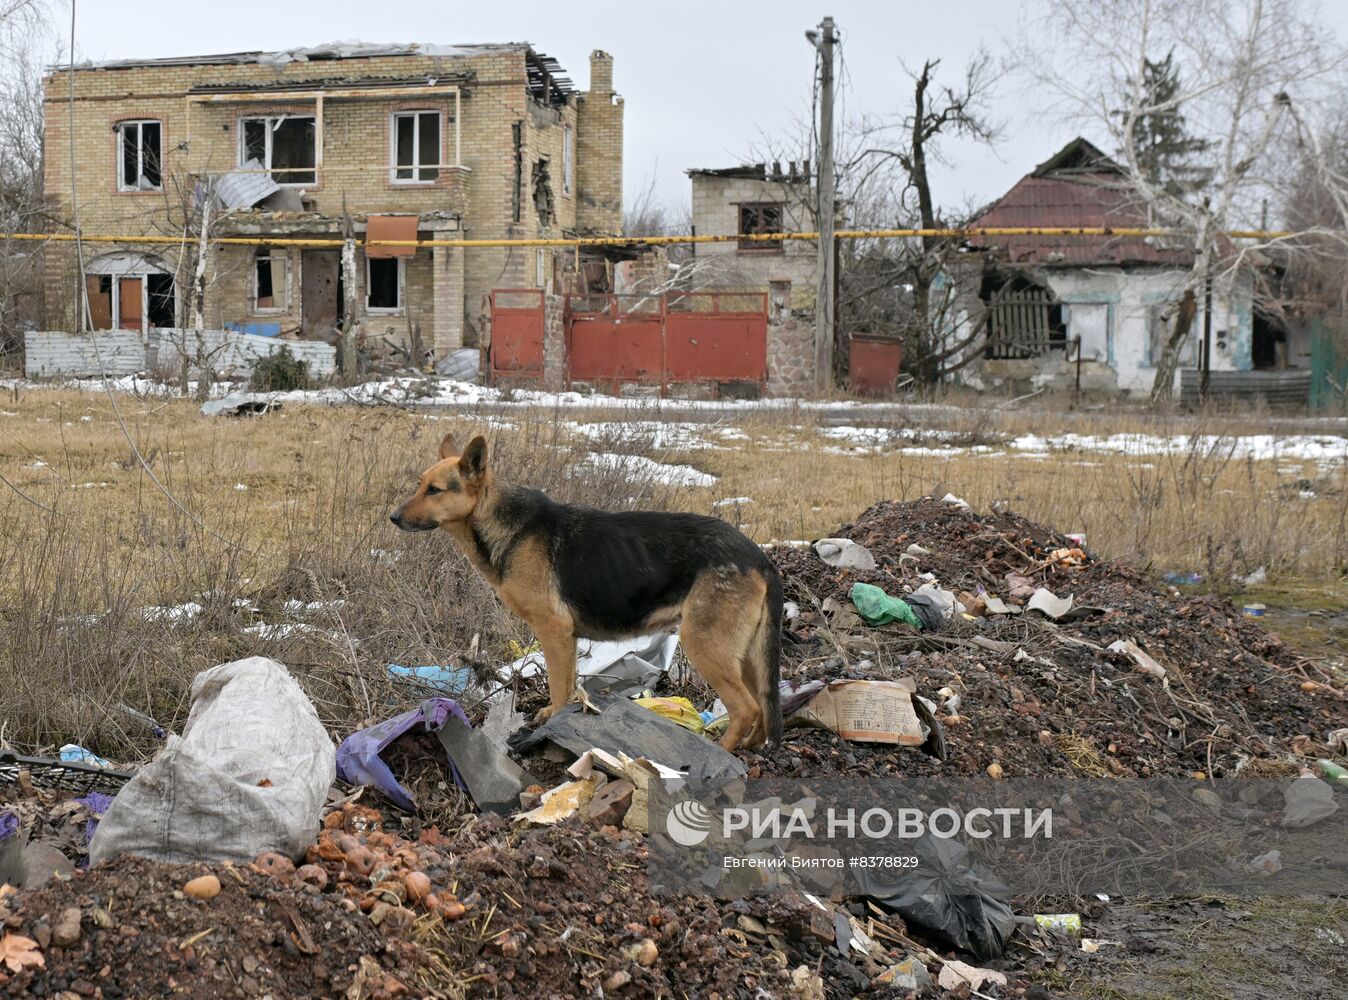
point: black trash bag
(946, 896)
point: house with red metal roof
(1108, 300)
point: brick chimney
(599, 151)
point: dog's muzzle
(397, 518)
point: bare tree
(937, 112)
(648, 215)
(194, 215)
(24, 36)
(1256, 77)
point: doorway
(320, 294)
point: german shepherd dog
(574, 572)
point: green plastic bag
(877, 607)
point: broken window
(517, 138)
(283, 144)
(116, 302)
(760, 218)
(1025, 319)
(416, 146)
(568, 158)
(159, 308)
(383, 284)
(1160, 325)
(141, 156)
(271, 281)
(99, 292)
(542, 185)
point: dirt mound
(1035, 696)
(127, 929)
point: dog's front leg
(559, 653)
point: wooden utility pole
(824, 40)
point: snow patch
(642, 467)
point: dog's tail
(766, 655)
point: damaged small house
(412, 141)
(1113, 298)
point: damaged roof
(757, 171)
(1079, 186)
(545, 74)
(316, 53)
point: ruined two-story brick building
(409, 141)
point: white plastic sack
(844, 553)
(648, 652)
(249, 774)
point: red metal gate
(516, 335)
(657, 340)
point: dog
(579, 573)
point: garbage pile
(462, 853)
(1051, 662)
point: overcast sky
(703, 81)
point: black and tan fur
(574, 572)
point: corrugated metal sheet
(245, 187)
(1087, 200)
(1283, 388)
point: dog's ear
(474, 461)
(448, 447)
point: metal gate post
(664, 345)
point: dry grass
(89, 541)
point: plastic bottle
(1333, 773)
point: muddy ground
(507, 909)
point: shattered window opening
(1025, 319)
(568, 158)
(542, 187)
(141, 156)
(383, 284)
(271, 280)
(159, 300)
(517, 134)
(760, 217)
(283, 144)
(416, 147)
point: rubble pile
(1046, 661)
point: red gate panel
(717, 347)
(516, 334)
(696, 340)
(605, 349)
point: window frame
(401, 263)
(762, 246)
(120, 131)
(271, 119)
(416, 167)
(272, 253)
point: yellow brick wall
(202, 138)
(599, 151)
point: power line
(604, 241)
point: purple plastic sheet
(97, 803)
(358, 760)
(795, 697)
(9, 823)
